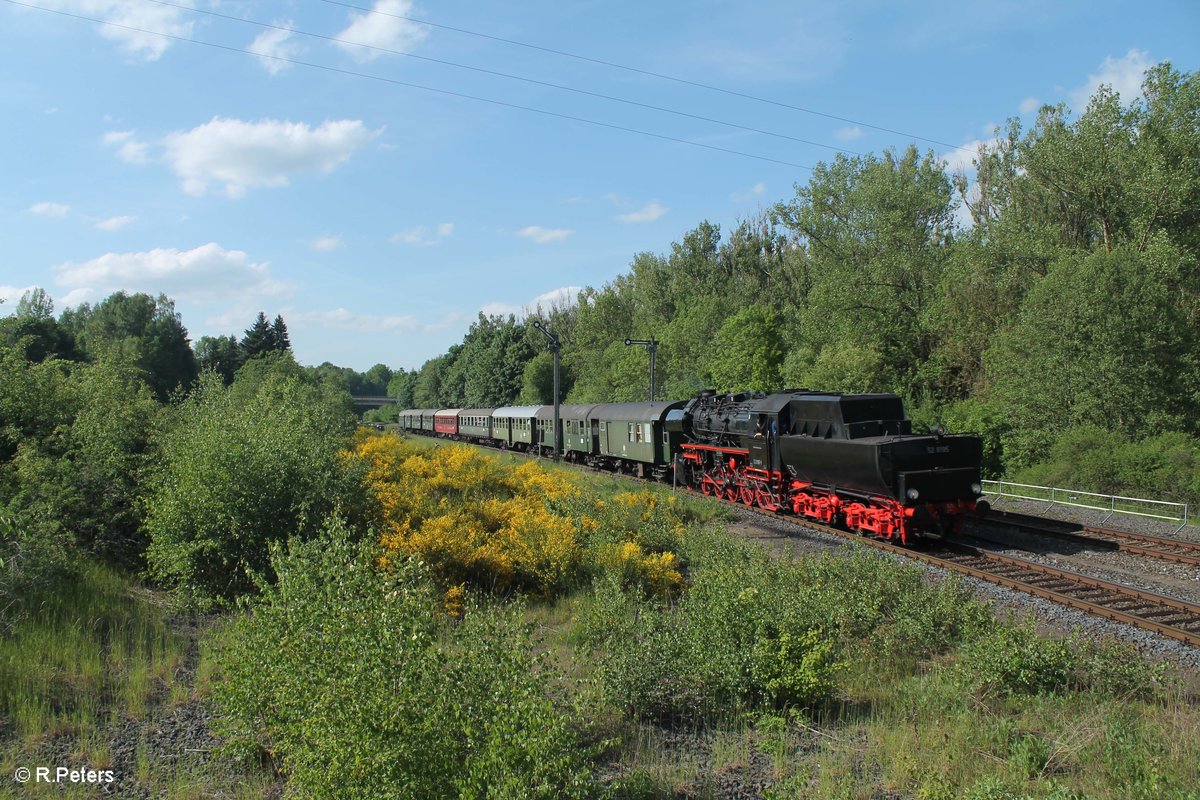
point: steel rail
(1159, 547)
(1169, 616)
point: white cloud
(542, 235)
(420, 236)
(757, 190)
(11, 295)
(114, 223)
(203, 274)
(164, 19)
(244, 155)
(1124, 75)
(49, 209)
(648, 213)
(344, 319)
(848, 134)
(962, 159)
(382, 28)
(130, 149)
(326, 244)
(1029, 105)
(563, 297)
(274, 44)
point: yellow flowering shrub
(656, 573)
(645, 517)
(478, 522)
(470, 518)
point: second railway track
(1168, 616)
(1157, 547)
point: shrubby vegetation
(478, 522)
(242, 466)
(352, 678)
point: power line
(648, 73)
(496, 73)
(410, 85)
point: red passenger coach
(445, 422)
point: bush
(725, 646)
(1015, 660)
(349, 675)
(753, 632)
(470, 518)
(241, 469)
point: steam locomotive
(831, 457)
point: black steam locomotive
(830, 457)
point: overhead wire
(646, 72)
(484, 70)
(408, 84)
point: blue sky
(379, 218)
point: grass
(92, 659)
(84, 646)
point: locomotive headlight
(976, 488)
(913, 494)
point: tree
(375, 380)
(220, 354)
(400, 388)
(749, 352)
(147, 330)
(878, 232)
(34, 331)
(279, 334)
(258, 338)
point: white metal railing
(1113, 504)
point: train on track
(845, 459)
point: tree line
(1049, 304)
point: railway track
(1097, 538)
(1167, 616)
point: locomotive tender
(837, 458)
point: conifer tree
(258, 338)
(279, 334)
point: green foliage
(257, 339)
(748, 352)
(537, 381)
(401, 388)
(33, 331)
(1016, 660)
(877, 231)
(793, 670)
(75, 444)
(243, 466)
(1166, 466)
(356, 684)
(840, 367)
(143, 329)
(219, 354)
